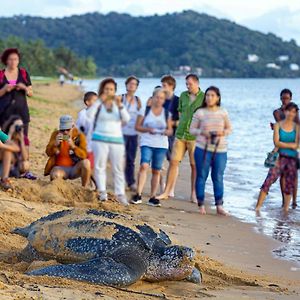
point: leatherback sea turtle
(106, 248)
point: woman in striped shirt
(211, 126)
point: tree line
(44, 61)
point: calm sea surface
(250, 103)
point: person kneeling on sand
(13, 152)
(67, 151)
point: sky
(276, 16)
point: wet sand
(236, 262)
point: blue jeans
(155, 156)
(131, 144)
(217, 163)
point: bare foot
(221, 211)
(294, 205)
(193, 198)
(202, 210)
(172, 194)
(163, 196)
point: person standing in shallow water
(211, 126)
(286, 139)
(279, 115)
(133, 105)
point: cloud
(282, 21)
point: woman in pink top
(211, 126)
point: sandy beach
(236, 262)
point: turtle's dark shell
(77, 235)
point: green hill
(121, 44)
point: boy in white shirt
(85, 124)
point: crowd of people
(112, 128)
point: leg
(178, 152)
(282, 188)
(111, 271)
(146, 156)
(131, 143)
(158, 158)
(58, 173)
(202, 160)
(217, 174)
(142, 177)
(116, 157)
(154, 182)
(191, 150)
(294, 205)
(290, 175)
(7, 158)
(82, 169)
(272, 176)
(101, 154)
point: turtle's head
(170, 263)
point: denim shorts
(155, 156)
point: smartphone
(65, 137)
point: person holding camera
(109, 115)
(211, 126)
(67, 151)
(13, 152)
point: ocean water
(250, 103)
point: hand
(295, 146)
(8, 88)
(118, 101)
(206, 134)
(220, 133)
(71, 143)
(58, 139)
(21, 86)
(151, 130)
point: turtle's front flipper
(101, 271)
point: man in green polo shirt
(189, 102)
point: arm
(195, 125)
(228, 126)
(52, 148)
(10, 146)
(29, 91)
(24, 152)
(169, 130)
(139, 125)
(125, 117)
(276, 115)
(282, 145)
(81, 150)
(6, 89)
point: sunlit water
(250, 103)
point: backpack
(138, 100)
(97, 115)
(148, 108)
(23, 75)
